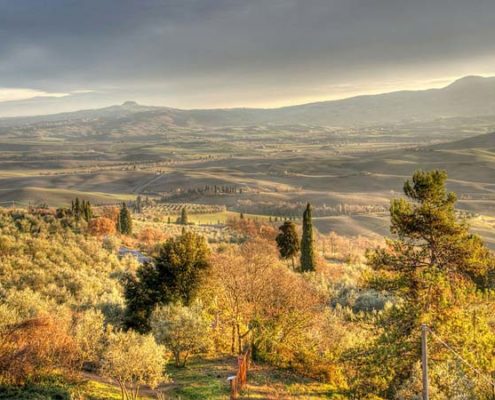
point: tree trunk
(177, 358)
(239, 339)
(232, 344)
(122, 390)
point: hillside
(471, 96)
(485, 142)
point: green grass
(94, 390)
(269, 383)
(207, 379)
(200, 379)
(57, 388)
(50, 388)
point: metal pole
(424, 360)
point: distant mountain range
(471, 96)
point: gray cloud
(232, 52)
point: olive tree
(133, 360)
(184, 330)
(89, 333)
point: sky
(61, 55)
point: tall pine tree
(307, 246)
(441, 275)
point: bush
(34, 348)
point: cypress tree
(124, 223)
(183, 217)
(87, 212)
(77, 209)
(307, 249)
(139, 204)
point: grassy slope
(202, 379)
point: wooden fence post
(424, 360)
(238, 381)
(233, 387)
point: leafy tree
(288, 241)
(307, 242)
(101, 226)
(124, 222)
(133, 360)
(175, 276)
(181, 263)
(183, 330)
(141, 292)
(183, 216)
(263, 303)
(438, 272)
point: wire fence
(477, 379)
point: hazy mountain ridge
(467, 97)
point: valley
(349, 175)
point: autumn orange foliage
(101, 226)
(35, 347)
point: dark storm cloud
(195, 50)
